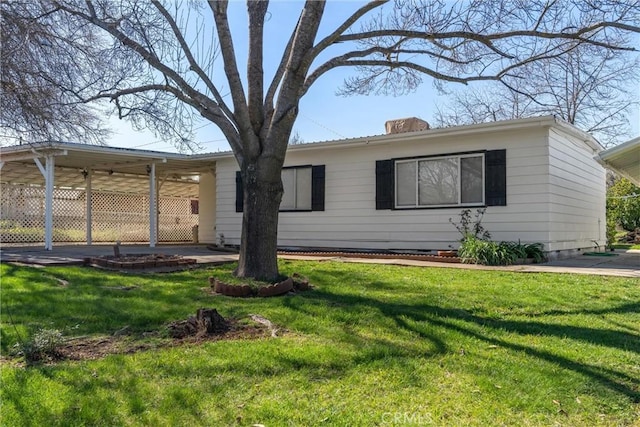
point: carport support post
(88, 196)
(47, 173)
(48, 215)
(152, 207)
(48, 203)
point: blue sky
(323, 115)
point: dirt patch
(92, 348)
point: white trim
(153, 208)
(610, 159)
(48, 203)
(459, 203)
(89, 208)
(27, 153)
(42, 169)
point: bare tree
(295, 138)
(589, 87)
(163, 68)
(38, 53)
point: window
(451, 180)
(297, 189)
(440, 181)
(303, 189)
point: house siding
(207, 208)
(577, 194)
(350, 218)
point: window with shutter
(465, 179)
(303, 189)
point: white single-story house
(540, 180)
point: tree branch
(387, 52)
(297, 64)
(257, 11)
(241, 112)
(331, 38)
(193, 65)
(487, 39)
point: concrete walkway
(623, 264)
(76, 254)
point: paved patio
(623, 264)
(75, 254)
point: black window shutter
(495, 187)
(317, 188)
(239, 192)
(385, 184)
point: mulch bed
(375, 255)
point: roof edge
(498, 126)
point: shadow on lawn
(93, 302)
(467, 323)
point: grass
(626, 246)
(370, 345)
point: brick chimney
(409, 124)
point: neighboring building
(540, 179)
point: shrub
(477, 251)
(44, 344)
(623, 204)
(476, 246)
(612, 237)
(535, 251)
(486, 252)
(469, 228)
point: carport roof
(112, 167)
(624, 159)
(126, 160)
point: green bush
(535, 251)
(476, 246)
(486, 252)
(623, 204)
(612, 234)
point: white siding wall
(207, 208)
(577, 193)
(350, 219)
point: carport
(68, 192)
(623, 159)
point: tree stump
(206, 321)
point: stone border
(293, 283)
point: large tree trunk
(262, 186)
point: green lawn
(370, 345)
(626, 246)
